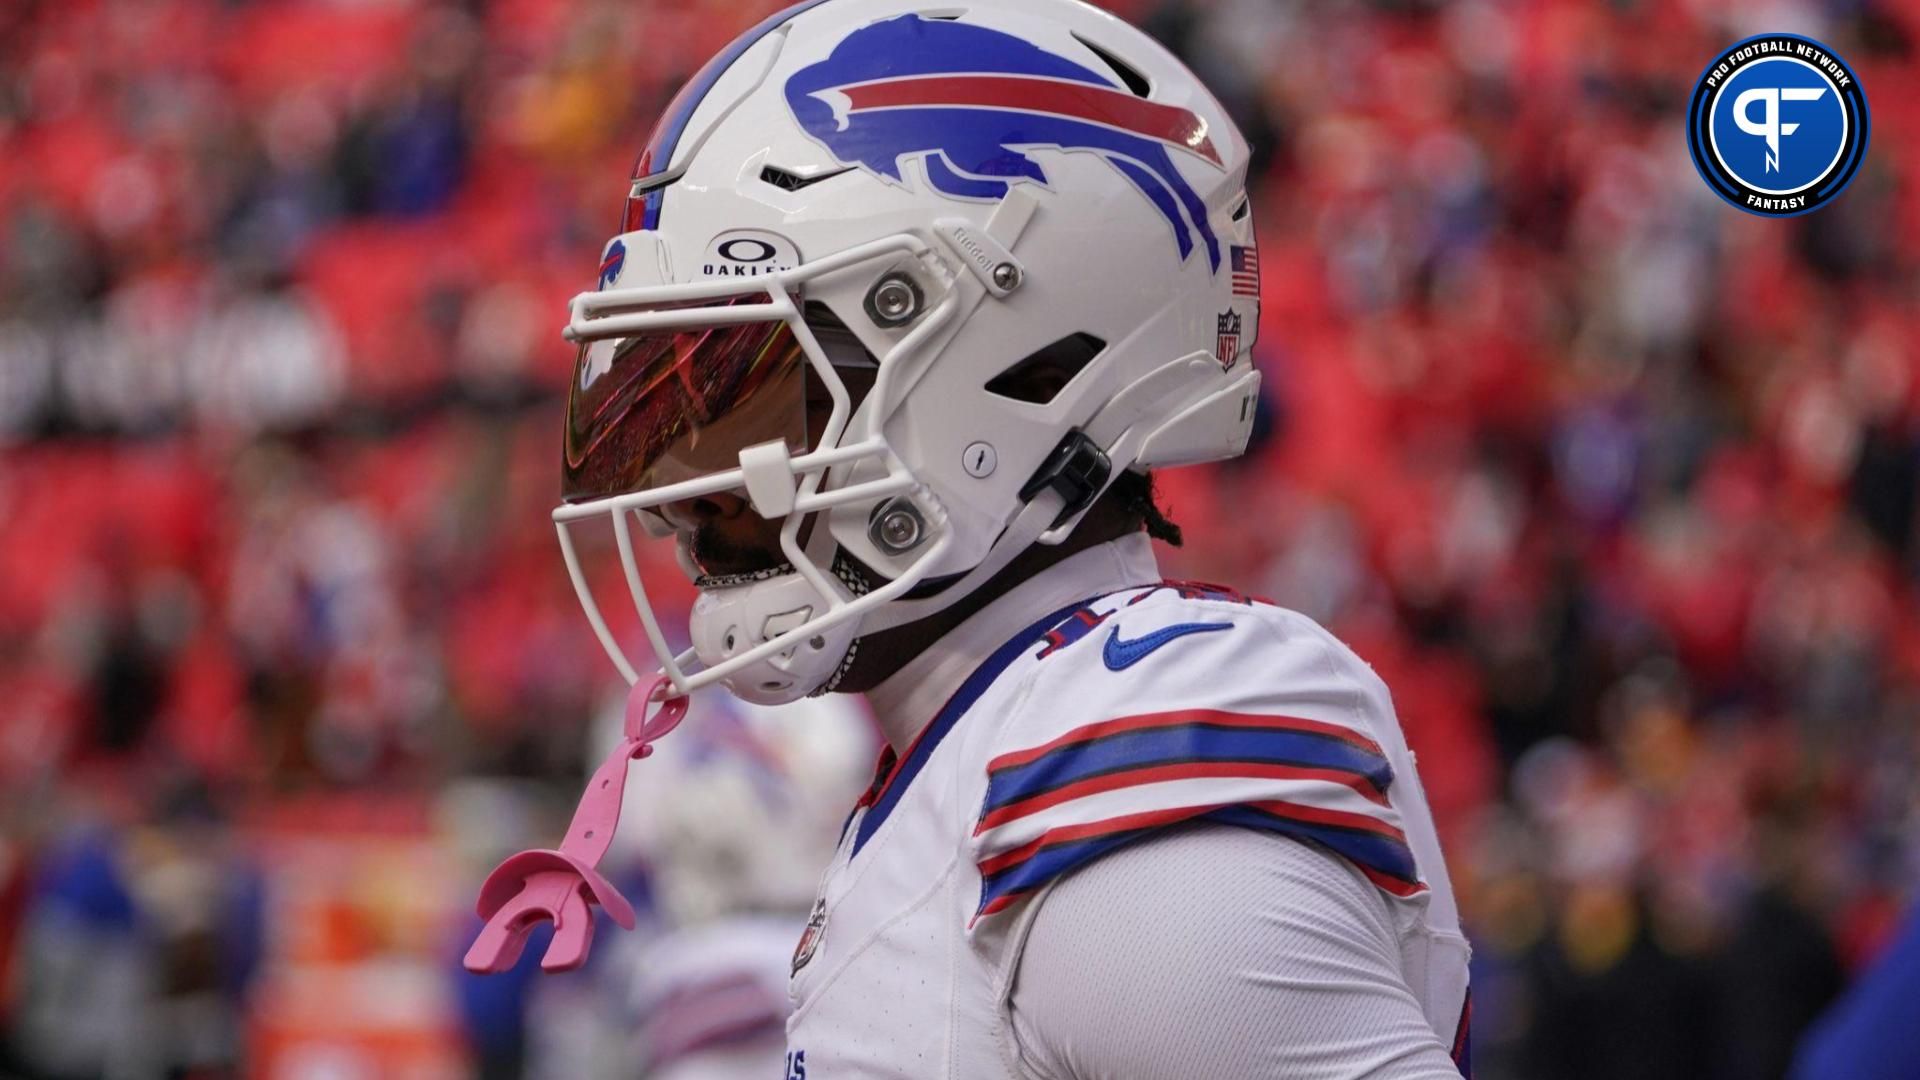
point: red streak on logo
(1080, 101)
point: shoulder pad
(1166, 705)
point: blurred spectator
(84, 974)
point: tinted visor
(661, 408)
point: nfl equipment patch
(810, 937)
(1226, 347)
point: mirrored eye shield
(767, 474)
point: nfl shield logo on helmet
(1226, 348)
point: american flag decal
(1246, 271)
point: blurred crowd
(1615, 485)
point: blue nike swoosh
(1120, 655)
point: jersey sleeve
(1287, 964)
(1170, 707)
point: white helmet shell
(961, 189)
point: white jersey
(1104, 719)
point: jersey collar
(908, 700)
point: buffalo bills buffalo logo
(967, 101)
(614, 261)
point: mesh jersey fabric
(1211, 950)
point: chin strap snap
(562, 886)
(1078, 470)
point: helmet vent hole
(1129, 74)
(788, 180)
(1241, 212)
(1043, 374)
(943, 15)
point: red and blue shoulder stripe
(1053, 807)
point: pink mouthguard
(563, 885)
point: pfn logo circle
(1778, 125)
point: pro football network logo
(1778, 125)
(969, 102)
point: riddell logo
(749, 253)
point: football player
(909, 300)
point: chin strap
(562, 886)
(856, 584)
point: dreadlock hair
(1136, 495)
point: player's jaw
(722, 539)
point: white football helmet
(937, 192)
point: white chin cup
(729, 621)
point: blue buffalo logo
(969, 102)
(612, 263)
